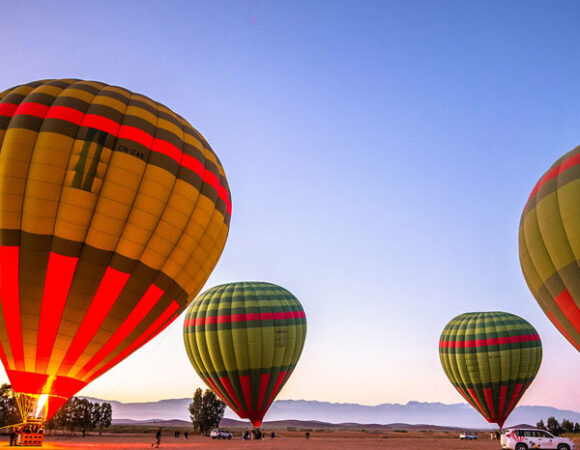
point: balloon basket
(30, 440)
(29, 434)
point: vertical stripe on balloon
(10, 298)
(59, 275)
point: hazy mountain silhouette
(453, 415)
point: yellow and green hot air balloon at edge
(491, 358)
(244, 340)
(114, 211)
(549, 242)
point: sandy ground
(284, 440)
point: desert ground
(284, 440)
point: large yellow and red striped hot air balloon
(549, 241)
(244, 340)
(113, 213)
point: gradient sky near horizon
(379, 156)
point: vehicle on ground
(528, 438)
(220, 434)
(467, 436)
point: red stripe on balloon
(211, 179)
(225, 381)
(502, 397)
(136, 135)
(489, 401)
(490, 341)
(7, 109)
(65, 113)
(153, 330)
(107, 293)
(568, 306)
(563, 330)
(193, 164)
(143, 308)
(31, 109)
(264, 380)
(167, 149)
(248, 317)
(27, 382)
(10, 299)
(100, 123)
(59, 275)
(247, 391)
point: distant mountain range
(458, 415)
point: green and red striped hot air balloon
(491, 358)
(244, 340)
(549, 241)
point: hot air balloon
(244, 340)
(491, 358)
(549, 241)
(113, 213)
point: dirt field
(284, 440)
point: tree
(577, 428)
(106, 416)
(540, 425)
(9, 414)
(567, 426)
(553, 426)
(81, 414)
(205, 411)
(96, 416)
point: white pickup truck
(528, 438)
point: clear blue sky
(379, 156)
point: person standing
(157, 439)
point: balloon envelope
(549, 242)
(244, 340)
(113, 213)
(491, 358)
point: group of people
(256, 434)
(178, 433)
(27, 428)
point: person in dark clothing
(13, 436)
(185, 434)
(157, 439)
